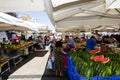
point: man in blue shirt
(91, 43)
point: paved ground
(25, 60)
(48, 74)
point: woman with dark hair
(58, 61)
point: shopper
(52, 49)
(70, 43)
(45, 40)
(58, 61)
(91, 43)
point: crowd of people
(59, 48)
(58, 53)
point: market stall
(78, 16)
(93, 65)
(14, 48)
(12, 54)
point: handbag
(49, 64)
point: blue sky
(41, 17)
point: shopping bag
(49, 64)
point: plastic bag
(49, 64)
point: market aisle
(34, 62)
(33, 70)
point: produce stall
(93, 65)
(11, 55)
(4, 62)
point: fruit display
(16, 46)
(100, 64)
(100, 58)
(94, 51)
(23, 44)
(13, 47)
(3, 59)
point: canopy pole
(119, 29)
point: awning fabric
(111, 4)
(8, 22)
(72, 14)
(21, 6)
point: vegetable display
(98, 64)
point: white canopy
(20, 6)
(111, 4)
(8, 22)
(77, 14)
(69, 14)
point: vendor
(15, 39)
(113, 40)
(4, 42)
(30, 38)
(91, 43)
